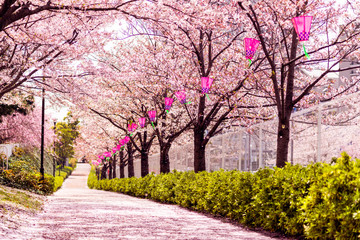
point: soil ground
(77, 212)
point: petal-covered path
(76, 212)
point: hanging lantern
(95, 163)
(126, 139)
(251, 45)
(107, 155)
(118, 147)
(122, 143)
(205, 85)
(142, 122)
(132, 127)
(181, 96)
(152, 116)
(168, 103)
(302, 27)
(114, 150)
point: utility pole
(54, 165)
(42, 135)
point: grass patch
(14, 198)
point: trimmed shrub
(332, 206)
(319, 201)
(60, 177)
(58, 182)
(73, 162)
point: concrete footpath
(77, 212)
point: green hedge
(319, 201)
(61, 176)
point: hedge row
(61, 176)
(320, 201)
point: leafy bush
(28, 181)
(332, 206)
(319, 201)
(73, 162)
(58, 182)
(23, 174)
(32, 157)
(61, 175)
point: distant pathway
(77, 212)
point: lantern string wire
(249, 62)
(153, 125)
(306, 54)
(207, 96)
(167, 111)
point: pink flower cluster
(108, 155)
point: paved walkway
(76, 212)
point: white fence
(317, 134)
(7, 150)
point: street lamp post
(42, 135)
(54, 165)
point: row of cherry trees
(120, 73)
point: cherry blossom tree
(281, 62)
(25, 45)
(26, 129)
(207, 36)
(178, 43)
(177, 60)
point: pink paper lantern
(181, 96)
(251, 45)
(114, 150)
(302, 27)
(132, 127)
(152, 115)
(168, 103)
(142, 122)
(126, 140)
(206, 84)
(118, 147)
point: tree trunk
(122, 165)
(144, 163)
(114, 167)
(110, 168)
(199, 151)
(164, 159)
(98, 173)
(130, 160)
(103, 172)
(283, 142)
